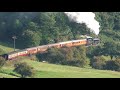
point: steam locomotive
(40, 49)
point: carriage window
(96, 41)
(89, 41)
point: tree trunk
(22, 76)
(111, 57)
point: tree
(2, 62)
(55, 55)
(110, 48)
(23, 69)
(80, 56)
(68, 56)
(113, 65)
(94, 51)
(90, 51)
(30, 38)
(98, 62)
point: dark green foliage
(110, 48)
(110, 26)
(79, 29)
(110, 32)
(80, 56)
(23, 69)
(113, 65)
(94, 51)
(67, 56)
(30, 38)
(101, 63)
(98, 62)
(54, 55)
(2, 62)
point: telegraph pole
(14, 37)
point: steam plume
(85, 17)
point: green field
(45, 70)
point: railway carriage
(96, 41)
(79, 42)
(32, 50)
(42, 48)
(22, 52)
(12, 55)
(66, 44)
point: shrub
(98, 62)
(113, 65)
(67, 56)
(2, 62)
(23, 69)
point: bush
(2, 62)
(113, 65)
(77, 63)
(67, 56)
(98, 62)
(23, 69)
(84, 63)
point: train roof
(17, 51)
(71, 41)
(64, 42)
(30, 48)
(96, 39)
(41, 46)
(78, 40)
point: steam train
(41, 49)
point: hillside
(45, 70)
(42, 28)
(6, 47)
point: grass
(51, 71)
(46, 70)
(5, 47)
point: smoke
(85, 17)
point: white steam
(85, 17)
